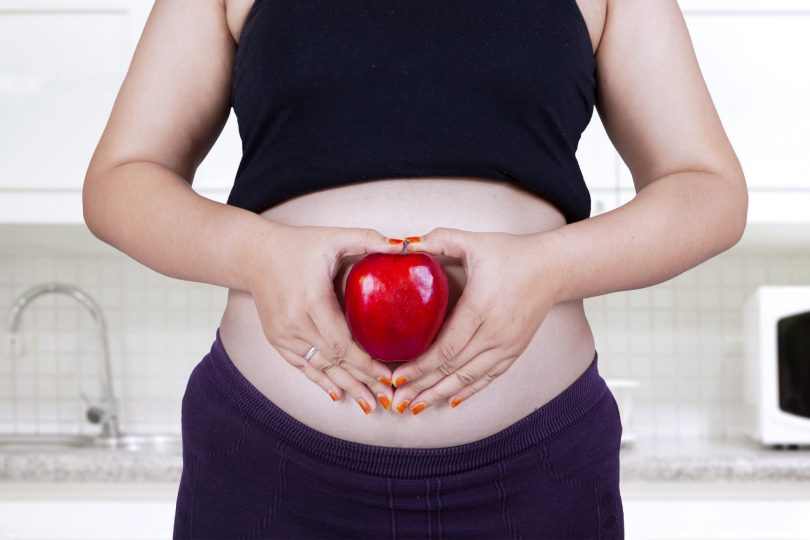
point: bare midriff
(560, 350)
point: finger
(333, 389)
(338, 344)
(359, 241)
(318, 377)
(482, 370)
(299, 346)
(445, 241)
(359, 392)
(380, 387)
(455, 334)
(481, 342)
(341, 353)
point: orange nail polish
(364, 405)
(419, 407)
(395, 241)
(385, 380)
(456, 401)
(400, 381)
(402, 406)
(384, 401)
(333, 395)
(413, 239)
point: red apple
(395, 304)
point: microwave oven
(776, 373)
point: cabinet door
(716, 510)
(86, 520)
(755, 65)
(61, 67)
(716, 520)
(756, 68)
(87, 510)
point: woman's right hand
(292, 284)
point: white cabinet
(720, 520)
(652, 511)
(103, 511)
(753, 58)
(61, 67)
(755, 66)
(721, 511)
(65, 61)
(63, 64)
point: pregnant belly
(559, 352)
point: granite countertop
(733, 460)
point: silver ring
(310, 353)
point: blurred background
(711, 369)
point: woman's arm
(692, 199)
(137, 197)
(171, 108)
(691, 204)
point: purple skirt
(250, 470)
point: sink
(134, 442)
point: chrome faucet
(105, 413)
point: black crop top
(331, 92)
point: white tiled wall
(158, 328)
(681, 339)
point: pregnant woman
(449, 128)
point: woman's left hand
(508, 294)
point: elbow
(737, 206)
(87, 205)
(90, 202)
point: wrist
(550, 257)
(256, 240)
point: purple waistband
(574, 402)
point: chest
(519, 53)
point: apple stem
(404, 247)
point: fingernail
(384, 401)
(395, 241)
(402, 406)
(419, 407)
(456, 401)
(385, 380)
(364, 405)
(400, 381)
(333, 395)
(413, 239)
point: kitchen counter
(90, 465)
(676, 461)
(706, 460)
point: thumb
(360, 240)
(441, 241)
